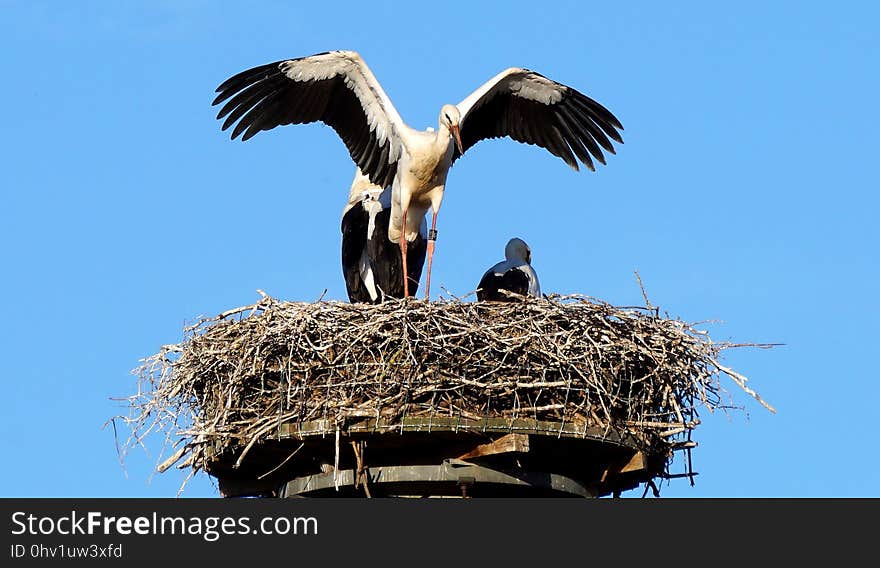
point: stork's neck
(442, 138)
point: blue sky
(745, 195)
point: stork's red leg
(432, 236)
(403, 246)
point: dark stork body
(371, 263)
(514, 274)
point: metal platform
(439, 457)
(452, 478)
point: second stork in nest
(513, 274)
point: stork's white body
(420, 180)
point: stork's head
(518, 251)
(450, 120)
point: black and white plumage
(338, 89)
(513, 274)
(372, 264)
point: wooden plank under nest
(300, 430)
(450, 478)
(503, 445)
(638, 462)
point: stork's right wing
(336, 88)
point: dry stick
(647, 424)
(673, 432)
(173, 459)
(255, 437)
(336, 461)
(741, 381)
(361, 470)
(357, 459)
(280, 465)
(191, 474)
(688, 448)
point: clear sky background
(745, 194)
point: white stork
(371, 263)
(338, 89)
(513, 274)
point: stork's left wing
(533, 109)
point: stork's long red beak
(457, 135)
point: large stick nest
(569, 359)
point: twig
(644, 294)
